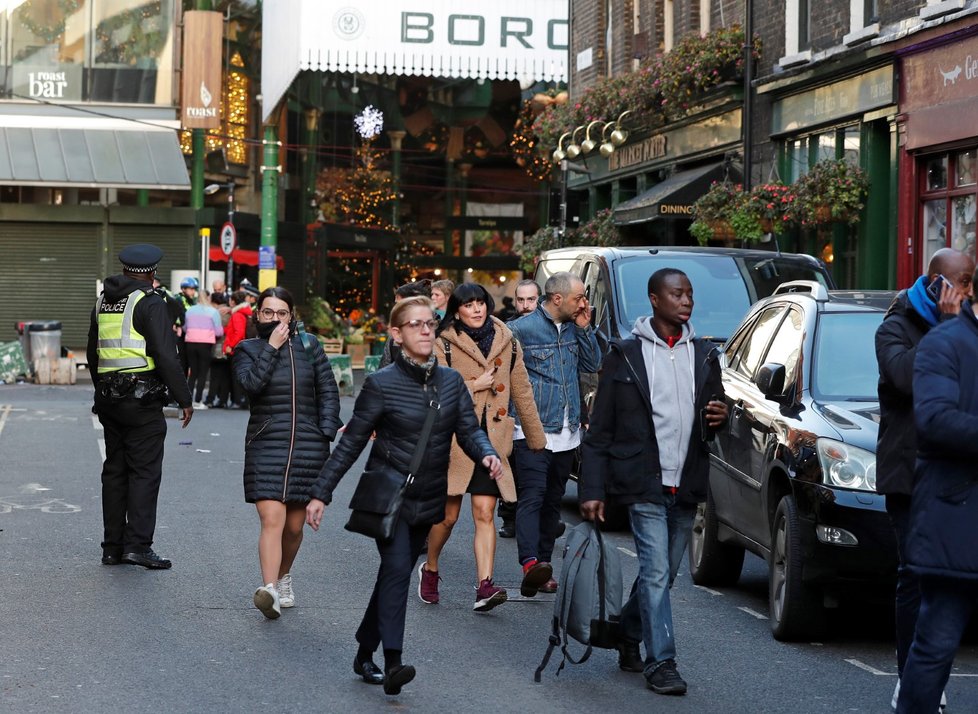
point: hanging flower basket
(832, 191)
(713, 210)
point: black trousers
(199, 361)
(219, 391)
(383, 622)
(505, 510)
(540, 486)
(134, 437)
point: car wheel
(710, 561)
(796, 609)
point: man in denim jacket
(558, 345)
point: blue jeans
(541, 478)
(945, 609)
(647, 615)
(907, 584)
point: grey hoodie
(672, 390)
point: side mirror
(770, 380)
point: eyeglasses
(418, 324)
(269, 314)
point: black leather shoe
(508, 530)
(397, 677)
(111, 558)
(630, 657)
(149, 559)
(368, 671)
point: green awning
(672, 198)
(145, 157)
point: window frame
(951, 191)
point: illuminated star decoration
(369, 122)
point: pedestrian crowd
(500, 401)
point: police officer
(133, 362)
(188, 292)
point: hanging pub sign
(201, 96)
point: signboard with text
(200, 100)
(856, 95)
(62, 82)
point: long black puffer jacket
(295, 409)
(394, 402)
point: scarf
(482, 336)
(921, 302)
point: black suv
(793, 473)
(726, 282)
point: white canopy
(504, 39)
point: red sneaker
(488, 596)
(535, 574)
(428, 585)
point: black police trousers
(134, 437)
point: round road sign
(229, 238)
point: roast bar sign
(639, 153)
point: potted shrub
(773, 205)
(833, 190)
(713, 210)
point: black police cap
(140, 258)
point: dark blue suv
(793, 473)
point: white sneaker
(267, 600)
(896, 698)
(200, 406)
(286, 597)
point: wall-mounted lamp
(619, 136)
(559, 153)
(607, 148)
(574, 149)
(587, 146)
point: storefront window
(87, 50)
(826, 146)
(948, 209)
(850, 145)
(800, 154)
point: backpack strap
(448, 351)
(554, 642)
(512, 360)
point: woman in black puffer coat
(393, 403)
(294, 415)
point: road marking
(870, 669)
(626, 551)
(753, 613)
(712, 592)
(101, 448)
(96, 424)
(4, 412)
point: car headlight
(847, 466)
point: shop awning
(241, 257)
(90, 152)
(505, 39)
(672, 198)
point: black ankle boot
(630, 656)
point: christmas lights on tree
(360, 196)
(525, 146)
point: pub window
(804, 25)
(948, 199)
(797, 32)
(803, 152)
(871, 12)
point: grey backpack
(588, 603)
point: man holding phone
(933, 298)
(660, 400)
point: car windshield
(724, 286)
(845, 365)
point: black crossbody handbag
(376, 503)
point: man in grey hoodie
(659, 401)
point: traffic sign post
(229, 241)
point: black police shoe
(149, 559)
(368, 671)
(111, 557)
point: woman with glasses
(295, 411)
(483, 350)
(393, 403)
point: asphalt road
(77, 636)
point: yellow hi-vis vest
(120, 347)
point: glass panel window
(797, 159)
(965, 169)
(46, 49)
(871, 12)
(748, 358)
(963, 227)
(804, 25)
(850, 145)
(935, 227)
(826, 147)
(937, 173)
(786, 346)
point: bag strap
(448, 351)
(512, 360)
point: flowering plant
(832, 190)
(773, 205)
(712, 211)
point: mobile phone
(934, 289)
(706, 431)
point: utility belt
(117, 386)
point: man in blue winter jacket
(942, 545)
